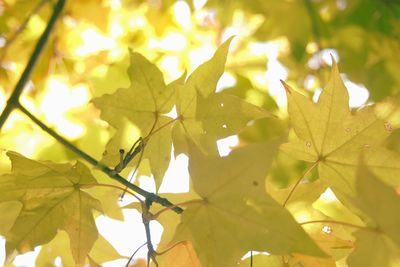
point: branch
(19, 87)
(130, 259)
(146, 218)
(13, 102)
(110, 172)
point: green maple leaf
(203, 115)
(380, 203)
(333, 137)
(52, 200)
(234, 214)
(143, 104)
(206, 116)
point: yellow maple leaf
(234, 214)
(332, 137)
(380, 203)
(206, 116)
(52, 200)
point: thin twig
(186, 203)
(110, 172)
(146, 218)
(137, 147)
(160, 128)
(171, 247)
(13, 102)
(19, 87)
(127, 264)
(298, 182)
(135, 170)
(110, 186)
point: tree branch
(13, 102)
(19, 87)
(107, 170)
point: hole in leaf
(327, 229)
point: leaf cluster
(316, 186)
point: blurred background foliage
(87, 56)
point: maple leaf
(379, 246)
(203, 115)
(206, 116)
(143, 104)
(52, 200)
(9, 211)
(181, 255)
(101, 251)
(333, 239)
(331, 136)
(234, 214)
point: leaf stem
(185, 203)
(19, 87)
(360, 227)
(110, 186)
(160, 128)
(171, 247)
(298, 182)
(107, 170)
(134, 253)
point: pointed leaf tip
(229, 40)
(286, 86)
(334, 63)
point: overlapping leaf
(379, 202)
(181, 255)
(101, 251)
(203, 115)
(331, 135)
(143, 104)
(52, 200)
(234, 214)
(206, 116)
